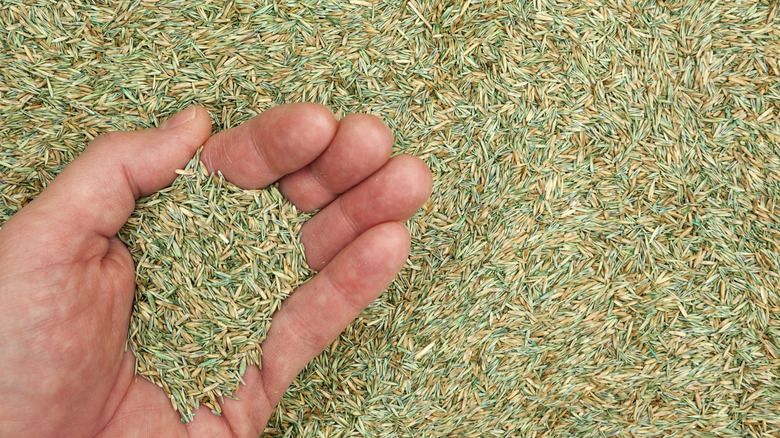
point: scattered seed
(598, 166)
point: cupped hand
(67, 282)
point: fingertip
(314, 112)
(192, 121)
(420, 177)
(306, 128)
(400, 242)
(196, 131)
(203, 118)
(372, 132)
(396, 236)
(382, 253)
(361, 146)
(411, 182)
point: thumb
(96, 193)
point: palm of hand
(66, 281)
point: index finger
(275, 143)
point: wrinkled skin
(67, 282)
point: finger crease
(304, 330)
(318, 178)
(348, 298)
(351, 223)
(130, 181)
(260, 154)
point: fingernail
(179, 118)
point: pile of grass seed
(213, 262)
(600, 255)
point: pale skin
(67, 282)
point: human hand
(67, 282)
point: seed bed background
(600, 253)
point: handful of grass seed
(213, 262)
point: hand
(67, 282)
